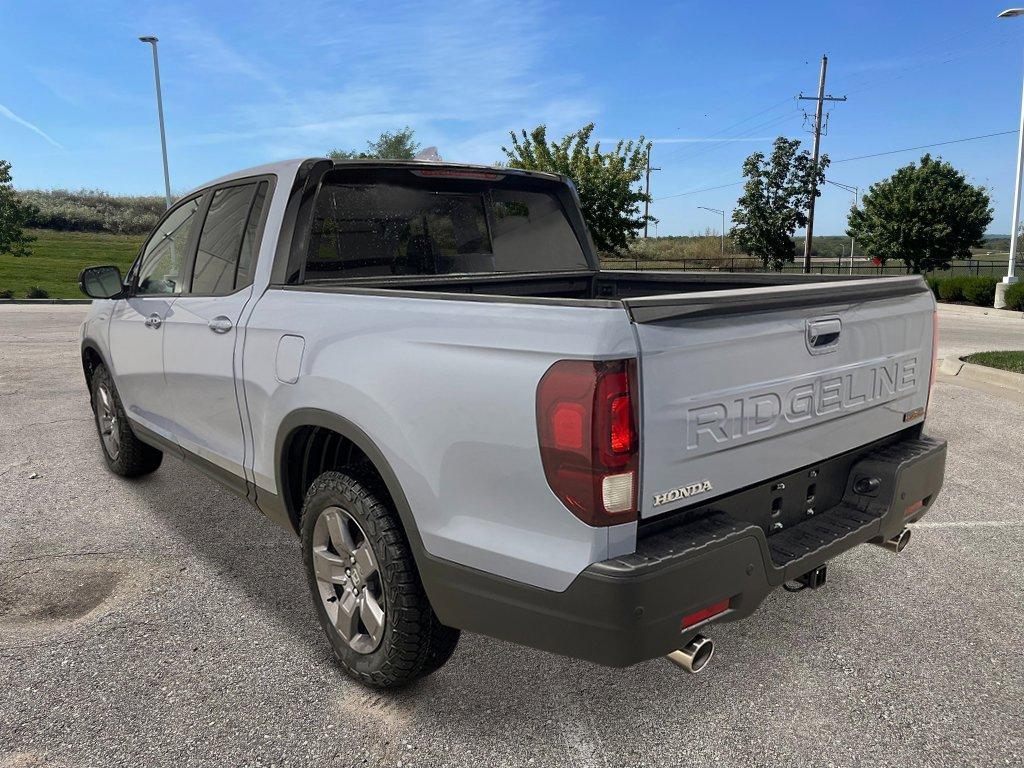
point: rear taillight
(935, 358)
(586, 425)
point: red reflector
(705, 613)
(458, 173)
(622, 424)
(567, 423)
(913, 508)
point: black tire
(412, 643)
(131, 457)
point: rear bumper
(629, 609)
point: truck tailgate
(741, 386)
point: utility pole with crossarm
(821, 98)
(647, 191)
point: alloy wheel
(106, 419)
(348, 579)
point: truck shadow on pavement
(257, 559)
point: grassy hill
(58, 257)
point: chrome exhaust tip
(897, 543)
(694, 656)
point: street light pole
(1010, 278)
(716, 210)
(152, 40)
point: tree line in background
(925, 215)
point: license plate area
(778, 504)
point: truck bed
(600, 285)
(742, 376)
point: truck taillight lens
(586, 425)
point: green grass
(58, 257)
(1007, 361)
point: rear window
(404, 224)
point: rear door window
(227, 244)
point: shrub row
(979, 290)
(970, 289)
(1015, 297)
(32, 293)
(89, 210)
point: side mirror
(101, 282)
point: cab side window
(164, 257)
(227, 243)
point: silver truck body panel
(447, 391)
(732, 400)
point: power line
(696, 191)
(719, 132)
(925, 146)
(718, 144)
(858, 157)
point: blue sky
(709, 82)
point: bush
(980, 291)
(1015, 297)
(90, 210)
(6, 294)
(35, 292)
(952, 288)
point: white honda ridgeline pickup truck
(421, 370)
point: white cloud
(455, 73)
(26, 124)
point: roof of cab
(289, 167)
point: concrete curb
(952, 366)
(972, 311)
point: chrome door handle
(153, 321)
(823, 335)
(220, 324)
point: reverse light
(705, 613)
(586, 429)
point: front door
(202, 343)
(137, 322)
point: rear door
(742, 386)
(137, 323)
(201, 341)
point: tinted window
(439, 226)
(159, 269)
(250, 245)
(220, 242)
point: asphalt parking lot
(163, 622)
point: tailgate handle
(823, 335)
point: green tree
(926, 214)
(774, 201)
(13, 215)
(390, 145)
(607, 182)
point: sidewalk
(969, 310)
